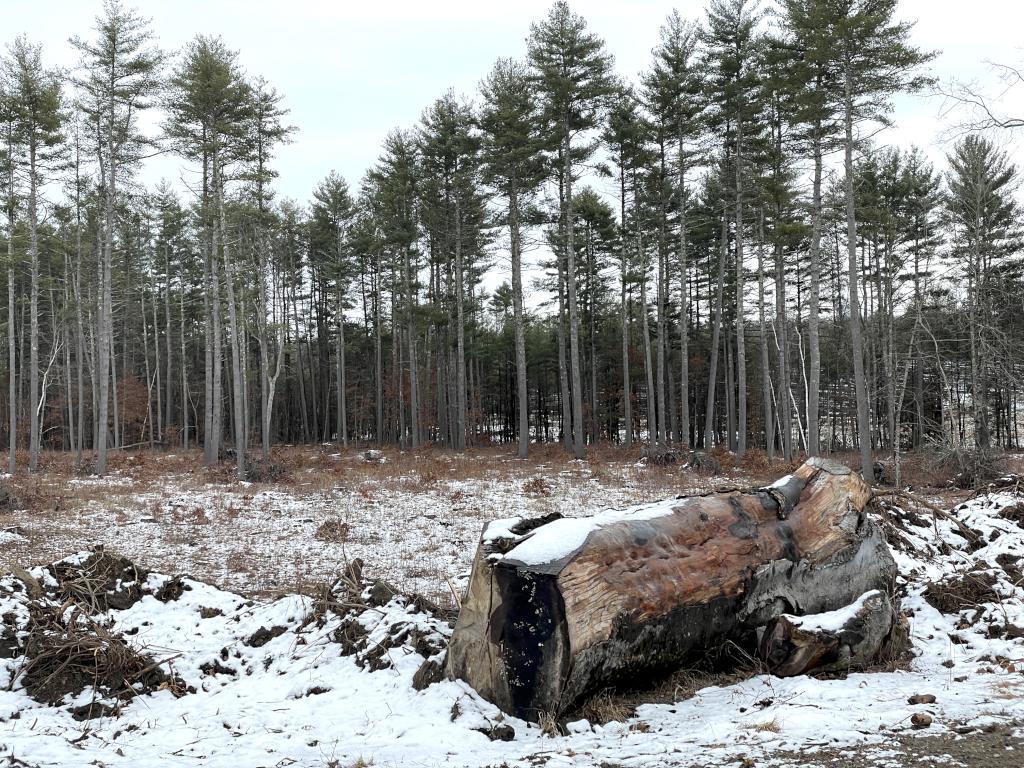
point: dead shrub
(968, 591)
(67, 652)
(537, 486)
(333, 530)
(266, 471)
(659, 456)
(1014, 513)
(8, 500)
(756, 461)
(606, 707)
(970, 467)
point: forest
(765, 275)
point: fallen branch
(967, 533)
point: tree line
(729, 260)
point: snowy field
(414, 519)
(291, 680)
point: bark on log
(868, 631)
(557, 609)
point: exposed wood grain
(641, 595)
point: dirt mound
(1014, 513)
(100, 582)
(967, 591)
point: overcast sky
(352, 71)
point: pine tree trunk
(185, 396)
(12, 393)
(782, 345)
(414, 388)
(460, 332)
(856, 340)
(576, 393)
(813, 340)
(645, 328)
(169, 349)
(156, 363)
(716, 332)
(766, 366)
(105, 301)
(563, 369)
(741, 345)
(378, 355)
(684, 309)
(35, 428)
(627, 388)
(522, 396)
(537, 632)
(234, 328)
(342, 389)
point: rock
(499, 732)
(262, 636)
(381, 593)
(172, 589)
(703, 462)
(430, 672)
(10, 648)
(921, 720)
(921, 698)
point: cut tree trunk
(869, 630)
(559, 608)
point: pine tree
(875, 61)
(266, 129)
(331, 220)
(805, 61)
(734, 83)
(10, 194)
(514, 165)
(572, 73)
(453, 215)
(627, 137)
(36, 102)
(984, 214)
(208, 113)
(674, 95)
(119, 77)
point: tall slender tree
(514, 165)
(119, 77)
(572, 74)
(875, 62)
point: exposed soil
(996, 748)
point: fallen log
(867, 631)
(557, 609)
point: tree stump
(557, 609)
(844, 640)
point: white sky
(352, 71)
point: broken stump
(558, 610)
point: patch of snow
(561, 538)
(832, 621)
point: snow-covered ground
(296, 700)
(414, 520)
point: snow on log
(559, 608)
(849, 638)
